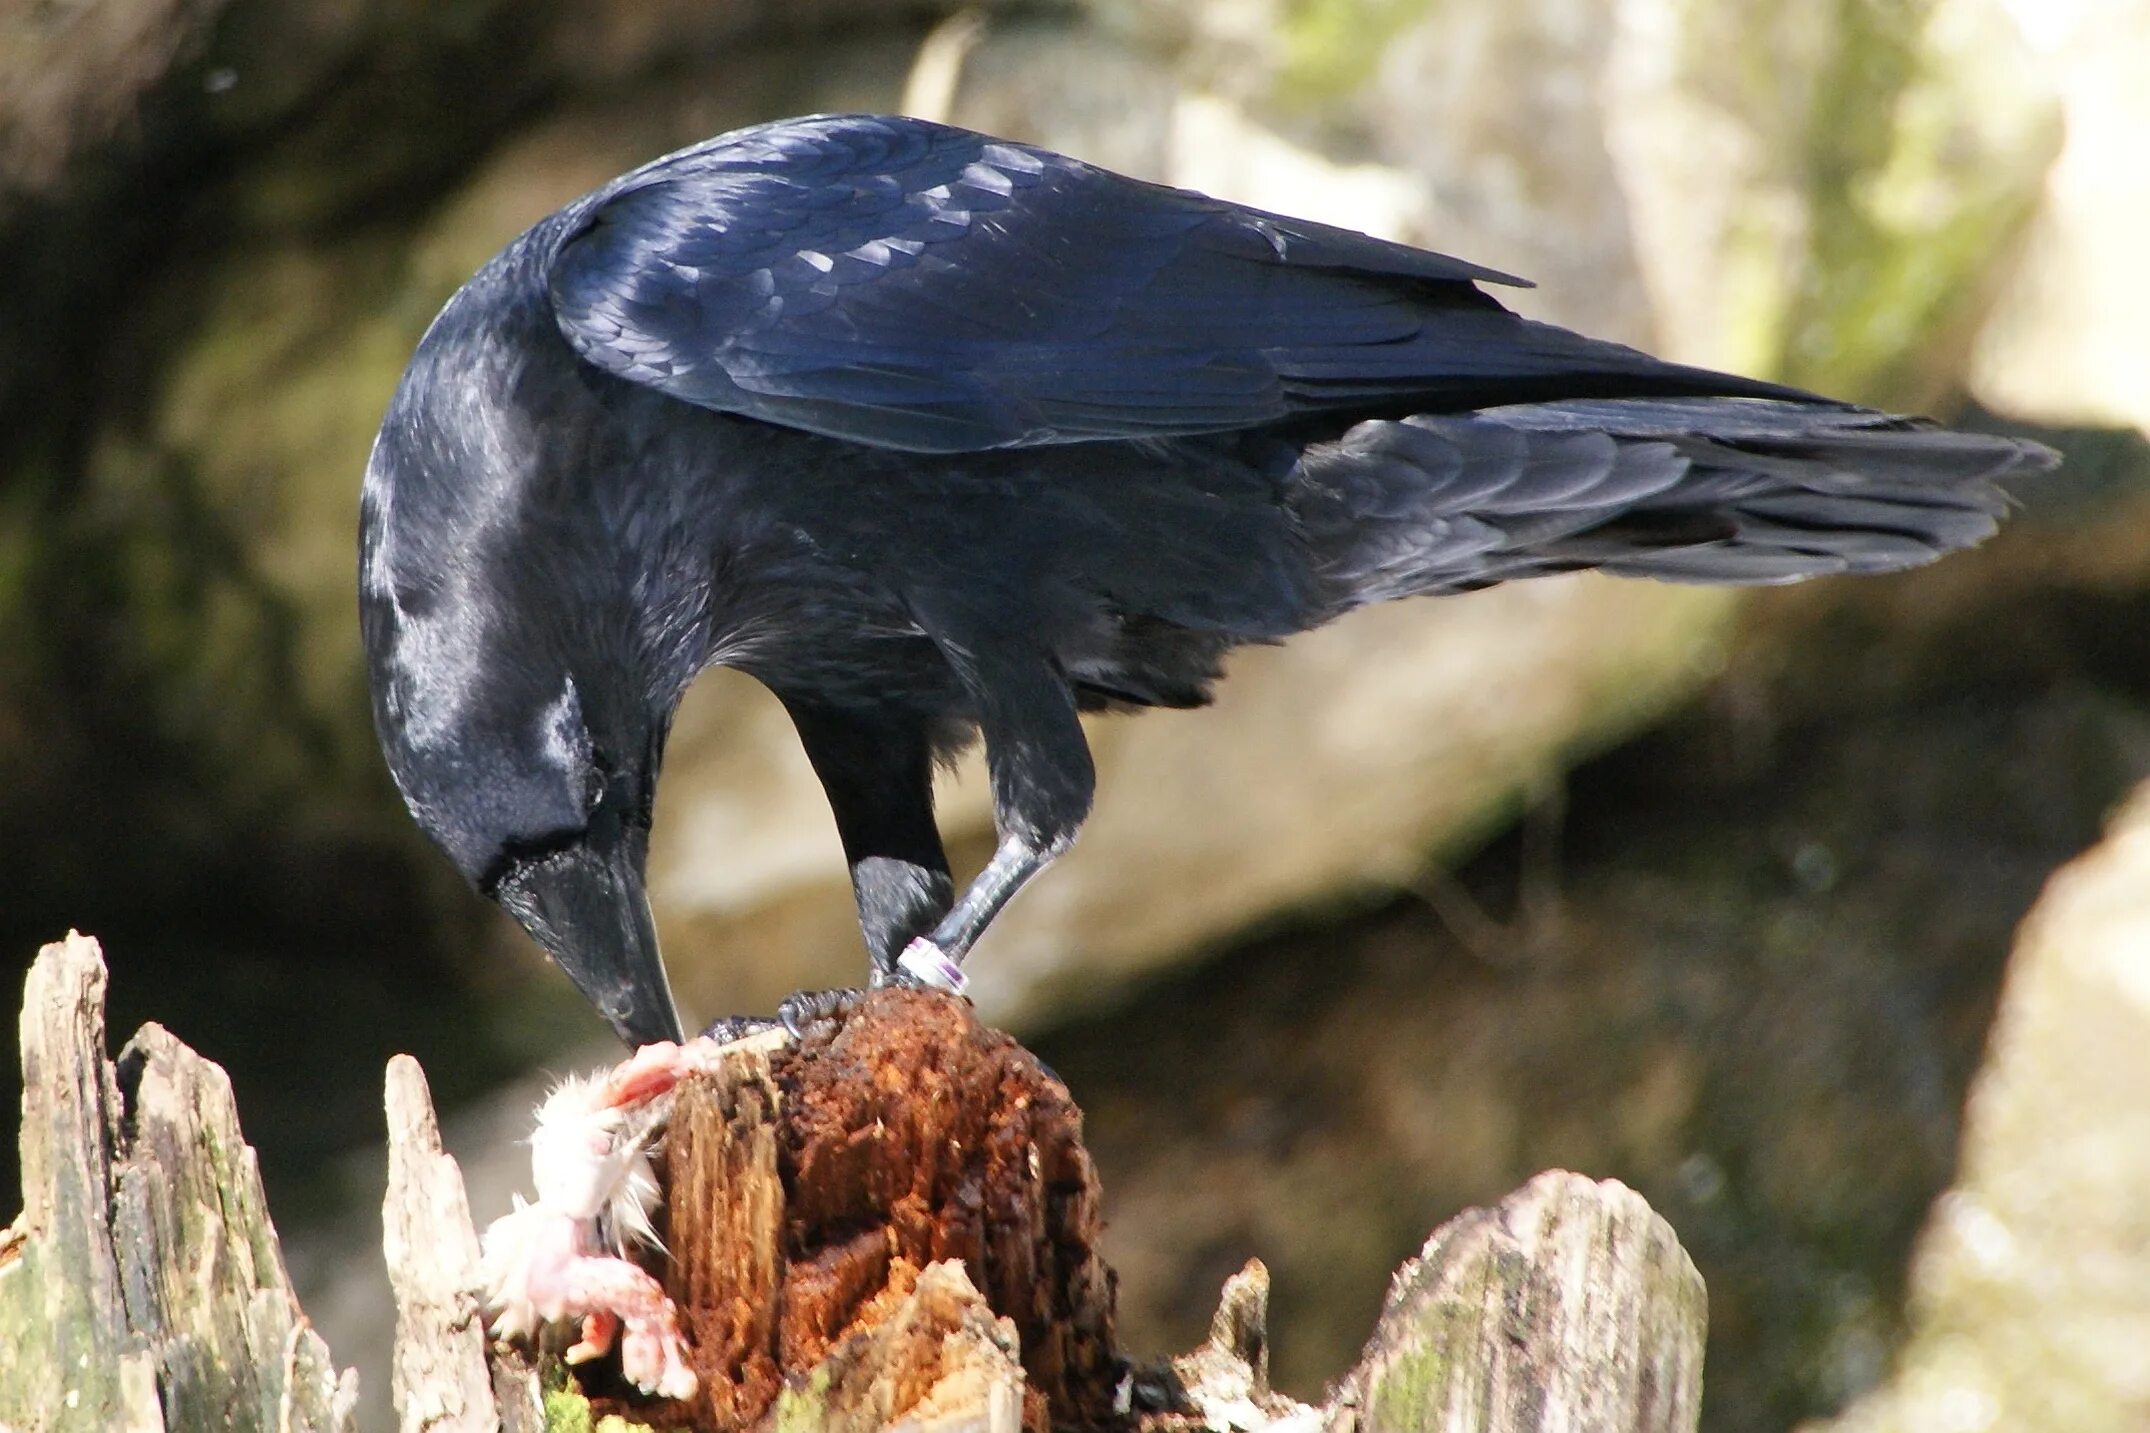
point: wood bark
(813, 1185)
(442, 1383)
(892, 1223)
(142, 1287)
(1569, 1306)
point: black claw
(803, 1009)
(737, 1027)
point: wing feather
(912, 285)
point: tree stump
(1569, 1306)
(812, 1186)
(142, 1287)
(891, 1224)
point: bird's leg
(937, 959)
(1043, 780)
(877, 769)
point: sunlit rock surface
(2065, 344)
(1824, 192)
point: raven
(940, 436)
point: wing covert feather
(911, 285)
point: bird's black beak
(586, 906)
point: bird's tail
(1711, 490)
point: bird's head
(535, 778)
(547, 814)
(519, 695)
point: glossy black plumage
(935, 434)
(921, 287)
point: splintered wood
(811, 1189)
(1570, 1305)
(893, 1224)
(143, 1288)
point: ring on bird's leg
(931, 967)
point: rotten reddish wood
(809, 1187)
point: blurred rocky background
(1712, 895)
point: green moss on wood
(1410, 1394)
(804, 1409)
(567, 1411)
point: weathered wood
(937, 1138)
(892, 1224)
(1570, 1306)
(811, 1186)
(515, 1389)
(938, 1361)
(442, 1384)
(143, 1286)
(726, 1217)
(66, 1351)
(1224, 1384)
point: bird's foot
(931, 968)
(922, 966)
(738, 1027)
(802, 1010)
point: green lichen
(1405, 1397)
(804, 1409)
(567, 1411)
(1331, 47)
(1416, 1385)
(1900, 153)
(567, 1408)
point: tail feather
(1710, 490)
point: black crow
(938, 435)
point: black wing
(910, 285)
